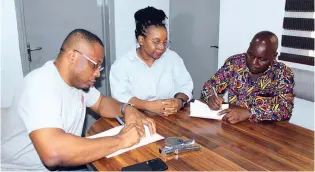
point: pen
(121, 122)
(215, 93)
(187, 149)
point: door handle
(214, 46)
(37, 48)
(29, 50)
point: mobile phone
(152, 165)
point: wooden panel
(244, 146)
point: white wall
(240, 20)
(303, 113)
(11, 67)
(125, 22)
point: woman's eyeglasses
(159, 44)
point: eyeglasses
(97, 66)
(159, 44)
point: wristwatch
(183, 102)
(123, 107)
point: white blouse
(131, 77)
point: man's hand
(133, 116)
(235, 114)
(215, 102)
(129, 136)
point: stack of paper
(114, 131)
(201, 110)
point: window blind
(297, 44)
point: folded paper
(202, 110)
(144, 141)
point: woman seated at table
(151, 76)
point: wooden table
(244, 146)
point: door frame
(22, 36)
(108, 37)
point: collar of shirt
(134, 56)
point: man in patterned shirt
(259, 87)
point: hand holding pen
(129, 135)
(214, 101)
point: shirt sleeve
(92, 96)
(280, 106)
(119, 84)
(184, 83)
(39, 107)
(219, 81)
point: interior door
(44, 24)
(194, 35)
(47, 23)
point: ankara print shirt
(269, 97)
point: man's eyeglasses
(96, 66)
(159, 44)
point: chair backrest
(304, 84)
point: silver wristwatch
(123, 107)
(183, 102)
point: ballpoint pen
(121, 122)
(215, 93)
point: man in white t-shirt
(43, 127)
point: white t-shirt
(132, 77)
(43, 100)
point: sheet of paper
(114, 131)
(201, 110)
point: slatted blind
(297, 43)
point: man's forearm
(206, 91)
(70, 150)
(270, 113)
(82, 151)
(277, 108)
(140, 104)
(108, 107)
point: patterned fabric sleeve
(219, 81)
(279, 107)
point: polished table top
(244, 146)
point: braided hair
(147, 17)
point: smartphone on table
(152, 165)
